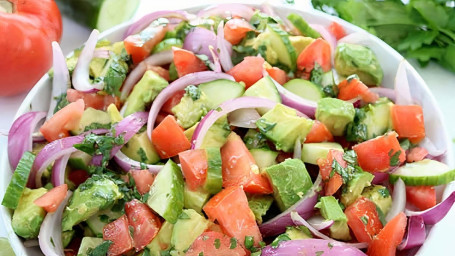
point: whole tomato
(27, 29)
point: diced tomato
(278, 75)
(53, 198)
(93, 99)
(194, 167)
(77, 177)
(416, 154)
(169, 139)
(143, 179)
(248, 71)
(363, 219)
(337, 30)
(318, 133)
(376, 155)
(386, 242)
(164, 73)
(240, 169)
(186, 62)
(66, 119)
(144, 222)
(318, 51)
(331, 184)
(205, 245)
(119, 233)
(235, 30)
(160, 117)
(230, 208)
(172, 102)
(408, 122)
(423, 197)
(138, 48)
(352, 88)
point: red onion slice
(298, 220)
(384, 92)
(216, 65)
(227, 11)
(291, 100)
(311, 247)
(198, 40)
(101, 53)
(415, 235)
(431, 148)
(245, 118)
(436, 213)
(180, 84)
(402, 91)
(380, 178)
(50, 234)
(398, 200)
(224, 48)
(298, 149)
(81, 80)
(127, 163)
(304, 207)
(319, 223)
(20, 136)
(60, 79)
(58, 170)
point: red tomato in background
(25, 44)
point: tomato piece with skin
(172, 102)
(416, 154)
(352, 88)
(143, 179)
(144, 222)
(386, 242)
(186, 62)
(331, 184)
(337, 30)
(423, 197)
(93, 99)
(278, 75)
(408, 122)
(318, 51)
(214, 243)
(248, 71)
(138, 48)
(318, 133)
(230, 208)
(119, 233)
(235, 30)
(194, 167)
(363, 219)
(64, 120)
(77, 177)
(169, 139)
(53, 198)
(376, 155)
(160, 117)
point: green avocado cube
(331, 210)
(162, 240)
(141, 149)
(379, 195)
(259, 205)
(27, 217)
(188, 227)
(335, 114)
(353, 189)
(195, 199)
(290, 181)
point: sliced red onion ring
(101, 53)
(81, 80)
(224, 48)
(415, 235)
(304, 207)
(384, 92)
(267, 9)
(215, 66)
(329, 37)
(180, 84)
(58, 170)
(431, 148)
(50, 235)
(20, 136)
(436, 213)
(380, 177)
(398, 200)
(311, 247)
(38, 138)
(157, 59)
(298, 220)
(402, 91)
(319, 223)
(298, 149)
(198, 40)
(291, 100)
(245, 118)
(227, 11)
(149, 18)
(127, 163)
(60, 79)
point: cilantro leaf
(101, 249)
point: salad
(231, 131)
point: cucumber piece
(18, 181)
(424, 173)
(221, 90)
(264, 157)
(216, 136)
(214, 181)
(302, 26)
(195, 199)
(167, 44)
(79, 160)
(99, 14)
(280, 43)
(311, 152)
(305, 89)
(264, 88)
(97, 222)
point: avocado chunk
(188, 227)
(282, 126)
(264, 157)
(360, 60)
(97, 193)
(113, 73)
(311, 152)
(114, 114)
(97, 222)
(335, 114)
(217, 135)
(298, 233)
(331, 210)
(27, 217)
(254, 139)
(290, 181)
(259, 205)
(141, 149)
(300, 43)
(79, 160)
(379, 195)
(162, 240)
(166, 196)
(191, 108)
(92, 119)
(67, 236)
(190, 131)
(353, 189)
(195, 199)
(144, 92)
(88, 244)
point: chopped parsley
(265, 126)
(94, 144)
(384, 192)
(61, 102)
(217, 243)
(319, 253)
(364, 219)
(193, 91)
(280, 238)
(350, 156)
(104, 218)
(316, 74)
(233, 243)
(101, 249)
(144, 158)
(95, 125)
(330, 245)
(394, 157)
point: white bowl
(440, 238)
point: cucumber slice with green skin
(97, 222)
(18, 181)
(424, 173)
(167, 44)
(311, 152)
(280, 43)
(301, 25)
(99, 14)
(305, 89)
(264, 157)
(221, 90)
(214, 181)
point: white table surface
(440, 81)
